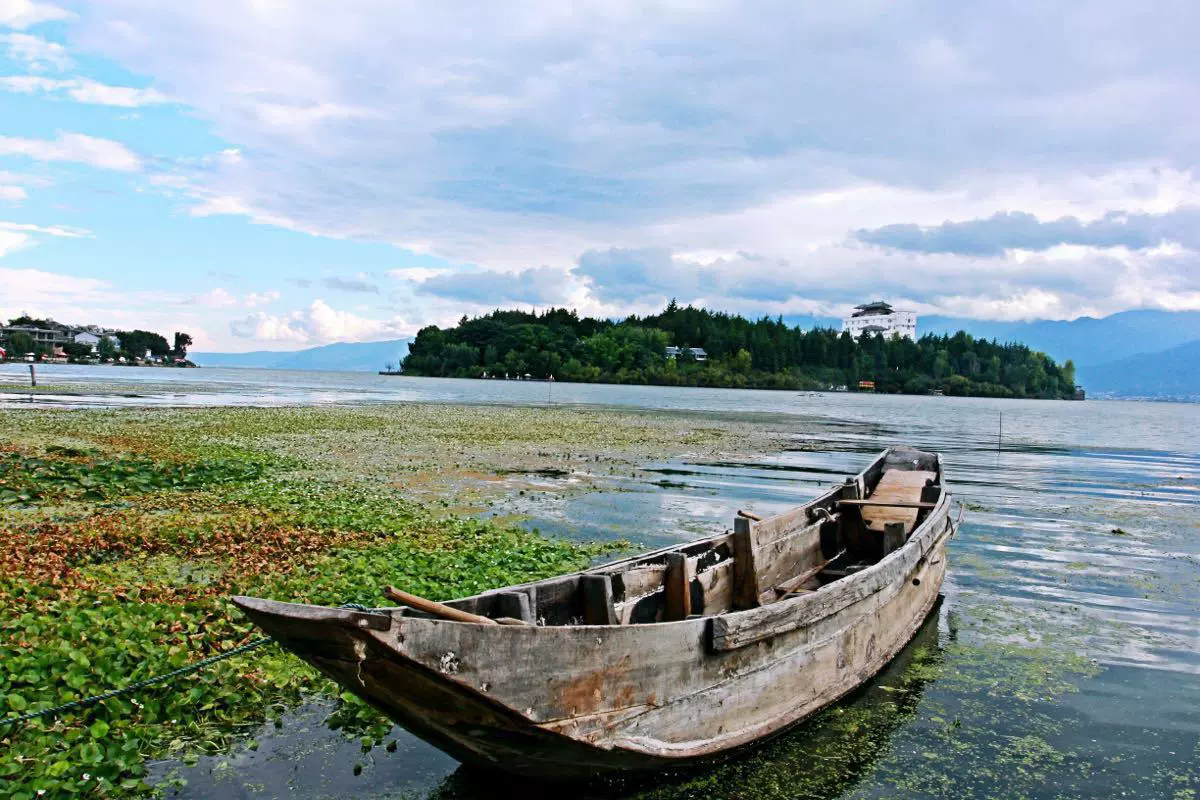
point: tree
(182, 342)
(77, 350)
(135, 343)
(106, 348)
(742, 362)
(21, 343)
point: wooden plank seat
(903, 487)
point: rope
(88, 702)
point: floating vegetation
(65, 473)
(123, 536)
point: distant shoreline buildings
(879, 317)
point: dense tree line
(765, 353)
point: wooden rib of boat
(687, 653)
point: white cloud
(12, 194)
(255, 299)
(75, 147)
(65, 231)
(21, 14)
(85, 90)
(16, 236)
(12, 241)
(38, 53)
(416, 274)
(217, 298)
(223, 298)
(515, 136)
(317, 324)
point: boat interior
(760, 561)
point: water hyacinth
(123, 533)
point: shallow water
(1063, 662)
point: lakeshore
(1071, 588)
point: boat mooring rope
(88, 702)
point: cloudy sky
(277, 176)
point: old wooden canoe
(687, 653)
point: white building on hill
(879, 317)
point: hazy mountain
(1174, 372)
(1086, 341)
(340, 356)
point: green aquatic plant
(116, 565)
(63, 473)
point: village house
(697, 353)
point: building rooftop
(872, 308)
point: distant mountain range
(1086, 341)
(340, 356)
(1171, 373)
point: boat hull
(578, 701)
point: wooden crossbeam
(886, 503)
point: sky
(266, 175)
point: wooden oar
(443, 611)
(792, 584)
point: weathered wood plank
(896, 498)
(641, 580)
(515, 605)
(678, 587)
(598, 608)
(745, 572)
(717, 585)
(787, 556)
(871, 503)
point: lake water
(1064, 660)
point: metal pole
(1000, 433)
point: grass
(123, 533)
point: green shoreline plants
(116, 565)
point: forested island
(696, 347)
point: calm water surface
(1063, 662)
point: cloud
(618, 275)
(1022, 231)
(84, 90)
(38, 53)
(75, 147)
(416, 274)
(614, 142)
(317, 324)
(537, 286)
(16, 236)
(223, 298)
(12, 194)
(21, 14)
(255, 299)
(65, 231)
(358, 284)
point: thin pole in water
(32, 376)
(1000, 433)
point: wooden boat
(687, 653)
